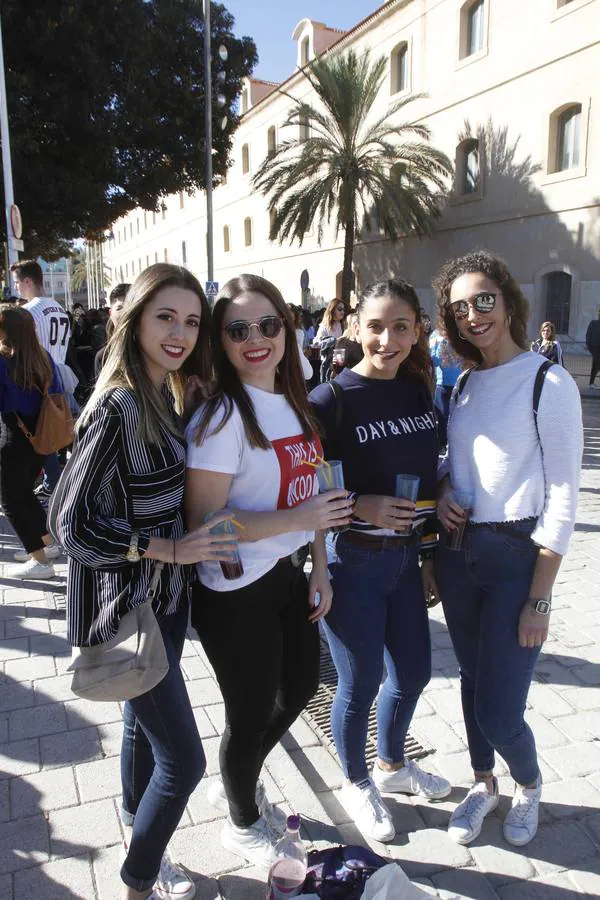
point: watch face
(543, 607)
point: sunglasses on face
(268, 326)
(484, 302)
(340, 309)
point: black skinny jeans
(20, 466)
(595, 365)
(265, 654)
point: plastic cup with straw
(330, 474)
(231, 568)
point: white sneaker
(32, 570)
(276, 817)
(173, 882)
(255, 843)
(411, 779)
(466, 821)
(369, 812)
(521, 822)
(52, 551)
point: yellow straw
(238, 524)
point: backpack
(54, 429)
(340, 873)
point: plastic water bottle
(288, 872)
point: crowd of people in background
(204, 444)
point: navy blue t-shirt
(387, 427)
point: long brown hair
(29, 365)
(494, 268)
(418, 362)
(124, 364)
(328, 319)
(229, 387)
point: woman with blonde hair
(547, 345)
(118, 509)
(330, 329)
(26, 372)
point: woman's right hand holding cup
(328, 510)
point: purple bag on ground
(340, 873)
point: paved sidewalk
(59, 764)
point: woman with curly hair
(522, 481)
(547, 345)
(382, 424)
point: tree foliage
(106, 108)
(351, 166)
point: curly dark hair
(418, 362)
(496, 269)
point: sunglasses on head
(268, 326)
(484, 302)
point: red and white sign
(16, 222)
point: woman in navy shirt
(382, 424)
(26, 371)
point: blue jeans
(483, 588)
(162, 761)
(378, 613)
(52, 471)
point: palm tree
(79, 275)
(347, 165)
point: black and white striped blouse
(114, 484)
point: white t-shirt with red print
(263, 480)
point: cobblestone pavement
(59, 766)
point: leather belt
(376, 542)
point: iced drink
(407, 487)
(331, 477)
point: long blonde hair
(328, 319)
(124, 365)
(29, 365)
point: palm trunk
(348, 255)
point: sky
(271, 23)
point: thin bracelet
(174, 558)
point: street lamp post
(208, 147)
(9, 199)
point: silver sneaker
(466, 821)
(255, 843)
(411, 779)
(276, 817)
(521, 822)
(368, 811)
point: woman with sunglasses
(381, 425)
(253, 448)
(523, 478)
(330, 329)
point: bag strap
(537, 393)
(461, 382)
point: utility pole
(9, 197)
(208, 166)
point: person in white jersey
(52, 323)
(253, 447)
(523, 478)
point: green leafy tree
(350, 166)
(106, 103)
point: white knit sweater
(493, 448)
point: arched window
(245, 159)
(248, 232)
(272, 216)
(226, 239)
(304, 129)
(472, 28)
(557, 295)
(399, 68)
(271, 140)
(468, 171)
(305, 51)
(568, 138)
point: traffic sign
(16, 222)
(14, 244)
(211, 290)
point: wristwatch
(541, 606)
(133, 555)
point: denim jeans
(483, 589)
(162, 761)
(378, 613)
